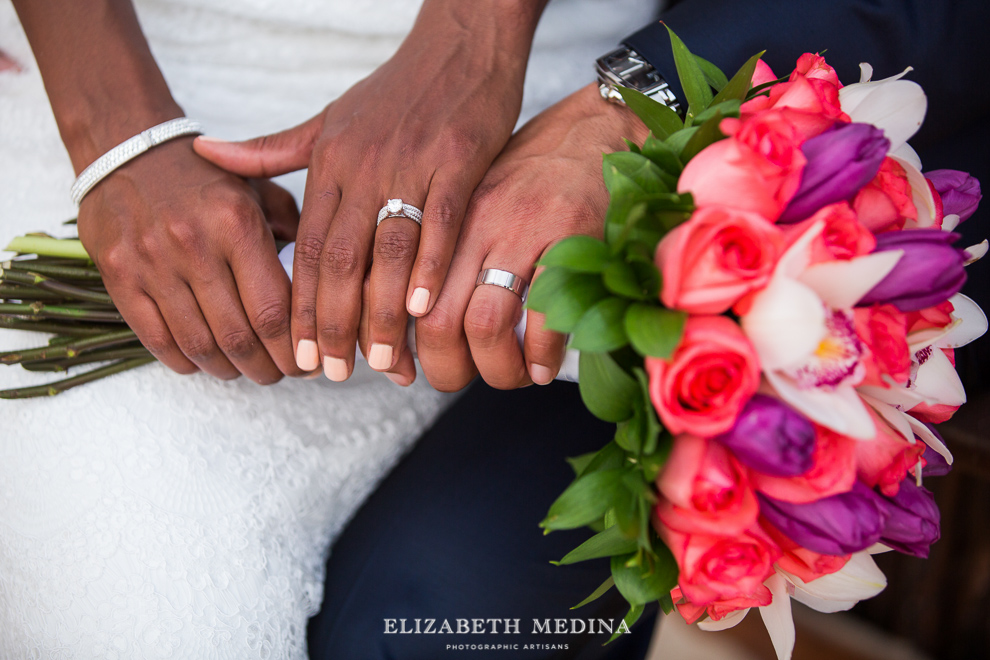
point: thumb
(265, 156)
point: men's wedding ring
(504, 279)
(396, 209)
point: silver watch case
(624, 67)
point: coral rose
(833, 472)
(883, 329)
(715, 258)
(723, 568)
(885, 202)
(704, 490)
(842, 238)
(758, 169)
(884, 461)
(705, 383)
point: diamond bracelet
(128, 150)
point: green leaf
(658, 118)
(640, 170)
(585, 500)
(597, 593)
(763, 88)
(738, 87)
(583, 254)
(726, 109)
(708, 133)
(653, 330)
(651, 426)
(604, 544)
(666, 603)
(665, 157)
(677, 141)
(713, 75)
(547, 288)
(602, 328)
(606, 389)
(696, 88)
(573, 301)
(608, 457)
(630, 619)
(644, 584)
(648, 277)
(621, 279)
(580, 463)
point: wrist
(616, 120)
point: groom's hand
(424, 128)
(545, 186)
(188, 256)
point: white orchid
(801, 327)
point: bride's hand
(545, 186)
(188, 255)
(424, 127)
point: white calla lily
(975, 252)
(730, 620)
(921, 195)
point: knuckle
(185, 236)
(484, 322)
(199, 347)
(271, 321)
(158, 343)
(333, 333)
(394, 245)
(113, 261)
(445, 216)
(435, 329)
(238, 343)
(308, 251)
(340, 260)
(387, 318)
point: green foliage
(606, 293)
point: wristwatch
(624, 67)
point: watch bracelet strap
(129, 150)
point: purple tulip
(840, 162)
(837, 525)
(772, 438)
(912, 520)
(960, 192)
(929, 272)
(935, 463)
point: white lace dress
(158, 516)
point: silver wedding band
(396, 209)
(504, 279)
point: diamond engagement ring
(504, 279)
(396, 209)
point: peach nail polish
(399, 379)
(335, 369)
(419, 301)
(307, 355)
(380, 357)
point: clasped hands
(195, 272)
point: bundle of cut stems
(52, 286)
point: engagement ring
(396, 209)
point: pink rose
(704, 490)
(809, 99)
(708, 379)
(885, 203)
(885, 460)
(803, 563)
(715, 258)
(762, 74)
(723, 568)
(719, 609)
(757, 169)
(842, 238)
(937, 316)
(833, 472)
(883, 329)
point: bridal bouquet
(770, 321)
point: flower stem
(51, 389)
(39, 310)
(55, 270)
(46, 284)
(88, 358)
(49, 247)
(69, 350)
(70, 329)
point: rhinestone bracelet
(129, 150)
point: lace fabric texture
(158, 516)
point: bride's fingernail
(209, 138)
(419, 301)
(307, 355)
(399, 379)
(541, 375)
(380, 357)
(335, 369)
